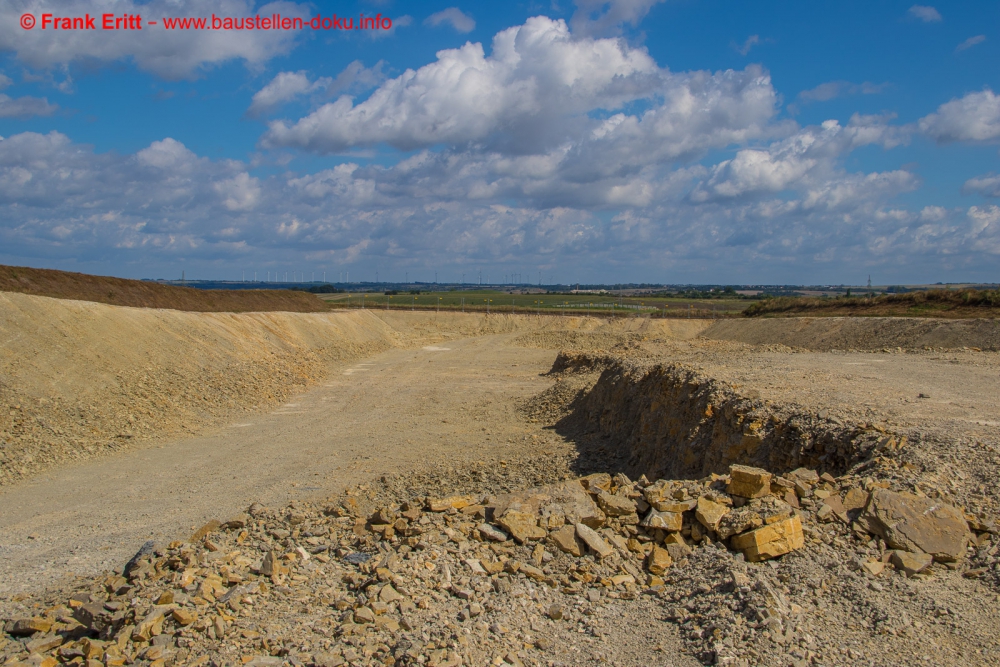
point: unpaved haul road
(388, 413)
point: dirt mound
(80, 379)
(928, 303)
(859, 333)
(550, 332)
(143, 294)
(605, 334)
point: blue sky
(636, 140)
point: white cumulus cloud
(285, 86)
(600, 17)
(25, 107)
(454, 17)
(537, 93)
(806, 160)
(925, 13)
(239, 193)
(167, 154)
(987, 185)
(536, 72)
(973, 118)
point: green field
(550, 304)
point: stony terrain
(488, 501)
(810, 570)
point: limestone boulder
(771, 541)
(615, 505)
(669, 521)
(522, 526)
(709, 513)
(567, 500)
(748, 482)
(912, 523)
(911, 563)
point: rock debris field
(649, 498)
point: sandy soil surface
(953, 390)
(450, 402)
(80, 380)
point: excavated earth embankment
(149, 294)
(673, 421)
(680, 517)
(676, 420)
(80, 379)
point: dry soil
(372, 395)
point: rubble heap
(466, 580)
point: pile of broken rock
(430, 580)
(750, 510)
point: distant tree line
(318, 289)
(728, 292)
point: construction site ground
(368, 398)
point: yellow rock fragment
(444, 504)
(709, 513)
(770, 541)
(658, 560)
(185, 616)
(748, 482)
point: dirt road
(389, 412)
